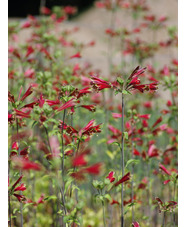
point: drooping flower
(94, 169)
(99, 84)
(111, 177)
(125, 178)
(27, 93)
(21, 187)
(79, 160)
(25, 164)
(162, 167)
(68, 104)
(89, 129)
(91, 108)
(77, 55)
(135, 224)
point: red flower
(52, 102)
(125, 178)
(157, 122)
(99, 84)
(116, 115)
(111, 177)
(94, 169)
(27, 24)
(152, 151)
(136, 152)
(27, 93)
(79, 160)
(30, 50)
(91, 108)
(164, 169)
(45, 10)
(133, 82)
(21, 187)
(24, 164)
(135, 224)
(89, 129)
(114, 202)
(68, 104)
(77, 55)
(20, 114)
(83, 91)
(70, 10)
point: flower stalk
(123, 164)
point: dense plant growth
(87, 149)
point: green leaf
(34, 123)
(125, 92)
(110, 154)
(126, 135)
(120, 80)
(108, 197)
(131, 161)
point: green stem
(104, 220)
(20, 173)
(10, 220)
(123, 164)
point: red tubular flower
(79, 160)
(146, 116)
(70, 10)
(83, 91)
(29, 73)
(27, 24)
(68, 104)
(99, 84)
(20, 188)
(157, 122)
(133, 82)
(45, 10)
(52, 102)
(164, 169)
(30, 50)
(30, 105)
(91, 108)
(77, 55)
(20, 114)
(136, 152)
(24, 164)
(27, 93)
(116, 115)
(41, 199)
(89, 129)
(11, 97)
(152, 151)
(78, 175)
(13, 189)
(166, 182)
(114, 202)
(94, 169)
(135, 224)
(111, 177)
(125, 178)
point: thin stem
(164, 215)
(10, 221)
(62, 149)
(104, 220)
(21, 206)
(62, 166)
(48, 138)
(149, 205)
(123, 164)
(132, 183)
